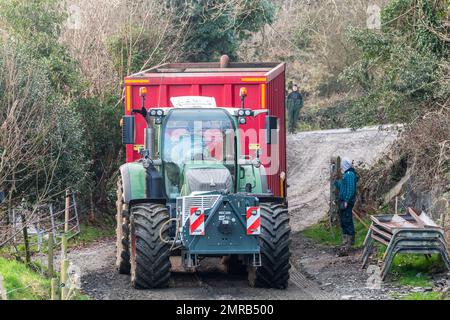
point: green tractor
(194, 194)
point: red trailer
(265, 84)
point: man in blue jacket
(347, 198)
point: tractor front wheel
(150, 263)
(122, 234)
(274, 246)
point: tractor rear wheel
(274, 244)
(122, 234)
(150, 263)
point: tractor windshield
(196, 143)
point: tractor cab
(198, 151)
(196, 147)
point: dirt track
(316, 274)
(101, 281)
(308, 156)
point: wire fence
(39, 223)
(44, 227)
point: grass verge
(414, 270)
(22, 283)
(322, 233)
(89, 234)
(423, 296)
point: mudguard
(134, 181)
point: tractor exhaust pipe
(149, 140)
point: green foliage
(101, 117)
(332, 117)
(414, 270)
(45, 77)
(302, 38)
(23, 283)
(69, 147)
(420, 21)
(83, 144)
(145, 51)
(423, 296)
(54, 129)
(402, 69)
(90, 234)
(196, 31)
(217, 27)
(31, 18)
(37, 26)
(415, 280)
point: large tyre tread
(274, 244)
(150, 266)
(122, 234)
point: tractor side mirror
(271, 129)
(128, 130)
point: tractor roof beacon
(205, 173)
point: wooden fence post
(3, 295)
(396, 205)
(67, 212)
(50, 255)
(54, 292)
(64, 278)
(25, 239)
(63, 261)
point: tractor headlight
(248, 113)
(156, 113)
(158, 120)
(242, 120)
(241, 113)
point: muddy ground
(317, 273)
(101, 281)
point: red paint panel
(214, 90)
(178, 91)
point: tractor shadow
(211, 272)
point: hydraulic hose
(172, 243)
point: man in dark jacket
(294, 105)
(347, 198)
